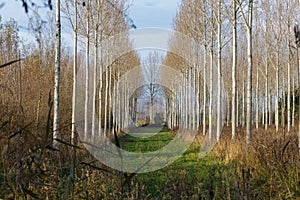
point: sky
(144, 13)
(153, 13)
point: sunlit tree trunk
(294, 99)
(277, 92)
(283, 103)
(204, 74)
(243, 121)
(211, 51)
(266, 91)
(237, 107)
(95, 72)
(73, 133)
(249, 80)
(234, 62)
(257, 100)
(248, 22)
(87, 70)
(56, 117)
(219, 112)
(100, 87)
(270, 97)
(289, 80)
(297, 36)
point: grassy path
(188, 177)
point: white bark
(248, 23)
(294, 99)
(204, 75)
(243, 101)
(267, 110)
(277, 94)
(234, 62)
(249, 85)
(96, 36)
(289, 82)
(87, 71)
(237, 107)
(73, 134)
(219, 112)
(298, 57)
(211, 79)
(56, 117)
(257, 100)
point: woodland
(231, 76)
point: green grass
(189, 175)
(145, 143)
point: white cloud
(153, 13)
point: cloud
(155, 13)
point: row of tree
(241, 42)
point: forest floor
(269, 169)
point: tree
(96, 55)
(211, 51)
(153, 91)
(234, 63)
(74, 96)
(219, 95)
(87, 69)
(56, 117)
(248, 23)
(297, 37)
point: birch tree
(87, 69)
(234, 62)
(211, 51)
(297, 37)
(56, 117)
(219, 95)
(95, 72)
(248, 23)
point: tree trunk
(87, 71)
(294, 99)
(289, 82)
(56, 117)
(73, 133)
(211, 77)
(95, 72)
(219, 112)
(234, 62)
(204, 76)
(249, 80)
(257, 100)
(267, 111)
(243, 101)
(277, 93)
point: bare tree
(219, 95)
(234, 63)
(297, 37)
(87, 69)
(248, 22)
(211, 51)
(56, 117)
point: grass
(268, 170)
(229, 172)
(188, 176)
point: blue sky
(145, 13)
(153, 13)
